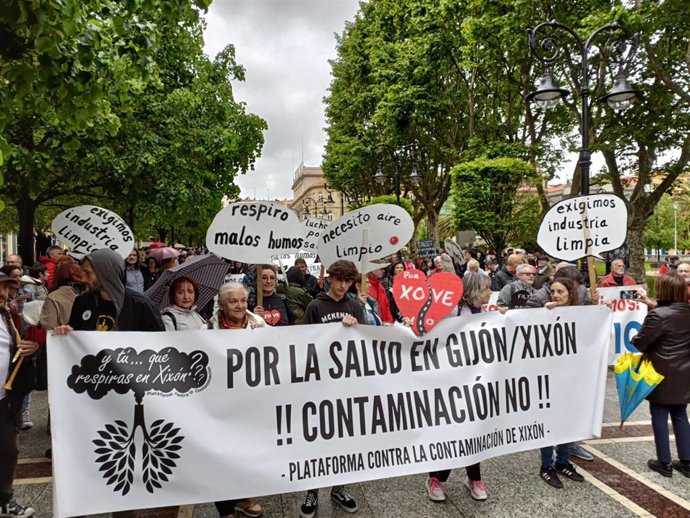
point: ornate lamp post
(309, 203)
(380, 177)
(547, 43)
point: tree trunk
(26, 210)
(635, 240)
(432, 220)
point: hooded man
(12, 350)
(108, 305)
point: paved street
(618, 483)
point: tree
(487, 199)
(174, 139)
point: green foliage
(659, 233)
(487, 199)
(390, 199)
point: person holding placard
(563, 292)
(233, 314)
(334, 306)
(476, 293)
(665, 340)
(274, 308)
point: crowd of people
(104, 293)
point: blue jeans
(562, 455)
(681, 429)
(26, 403)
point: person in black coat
(665, 340)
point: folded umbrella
(207, 271)
(635, 380)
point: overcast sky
(284, 46)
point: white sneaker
(476, 488)
(26, 421)
(435, 489)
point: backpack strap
(172, 318)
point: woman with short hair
(665, 340)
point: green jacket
(298, 298)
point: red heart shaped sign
(426, 301)
(272, 317)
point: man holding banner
(334, 306)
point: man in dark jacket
(506, 274)
(108, 305)
(12, 351)
(311, 283)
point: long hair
(671, 287)
(573, 299)
(474, 284)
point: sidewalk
(618, 483)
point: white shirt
(5, 358)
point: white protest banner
(252, 232)
(87, 228)
(314, 227)
(388, 228)
(154, 419)
(628, 316)
(583, 226)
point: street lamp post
(309, 203)
(381, 178)
(547, 44)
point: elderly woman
(665, 339)
(233, 313)
(476, 292)
(181, 314)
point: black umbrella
(207, 271)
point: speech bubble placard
(313, 229)
(87, 228)
(583, 226)
(365, 235)
(454, 250)
(252, 232)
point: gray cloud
(285, 46)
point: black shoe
(569, 471)
(13, 510)
(311, 502)
(549, 476)
(341, 497)
(682, 466)
(49, 453)
(662, 469)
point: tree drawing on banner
(144, 373)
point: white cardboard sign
(252, 232)
(87, 228)
(314, 227)
(365, 235)
(583, 226)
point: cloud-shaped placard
(583, 226)
(87, 228)
(252, 232)
(365, 235)
(314, 227)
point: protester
(617, 277)
(274, 307)
(491, 266)
(233, 314)
(16, 260)
(35, 282)
(297, 297)
(50, 261)
(544, 272)
(370, 307)
(134, 278)
(397, 269)
(477, 291)
(670, 265)
(378, 292)
(108, 305)
(472, 266)
(506, 274)
(515, 294)
(151, 272)
(334, 306)
(181, 314)
(313, 285)
(563, 292)
(68, 282)
(665, 340)
(11, 400)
